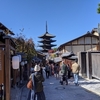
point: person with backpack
(69, 71)
(37, 79)
(64, 71)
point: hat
(37, 68)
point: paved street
(54, 91)
(87, 90)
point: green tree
(55, 49)
(30, 50)
(98, 9)
(25, 46)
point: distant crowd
(60, 70)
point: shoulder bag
(30, 84)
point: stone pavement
(87, 90)
(15, 93)
(19, 93)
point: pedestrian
(37, 79)
(64, 71)
(69, 71)
(56, 70)
(41, 69)
(32, 91)
(47, 69)
(75, 71)
(52, 69)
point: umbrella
(57, 59)
(67, 54)
(73, 58)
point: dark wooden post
(89, 65)
(7, 69)
(83, 64)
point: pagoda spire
(46, 27)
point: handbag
(30, 84)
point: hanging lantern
(25, 62)
(22, 63)
(15, 62)
(19, 58)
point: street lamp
(99, 34)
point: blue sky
(66, 19)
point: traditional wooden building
(86, 42)
(7, 48)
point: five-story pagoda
(46, 41)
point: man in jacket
(75, 71)
(64, 72)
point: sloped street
(87, 90)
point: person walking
(56, 70)
(47, 69)
(64, 72)
(37, 79)
(30, 78)
(75, 71)
(69, 71)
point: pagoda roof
(47, 35)
(46, 40)
(44, 50)
(5, 29)
(47, 45)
